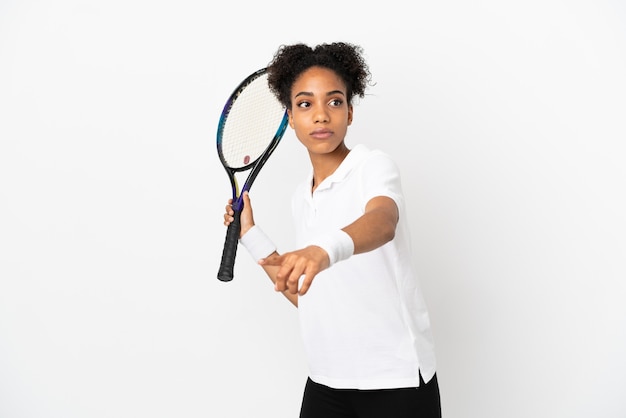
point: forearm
(260, 246)
(271, 272)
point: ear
(290, 118)
(350, 114)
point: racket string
(251, 124)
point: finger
(310, 270)
(306, 283)
(229, 209)
(298, 270)
(282, 277)
(292, 282)
(247, 217)
(247, 204)
(272, 260)
(228, 216)
(280, 285)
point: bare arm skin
(373, 229)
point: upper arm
(385, 208)
(376, 226)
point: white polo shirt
(364, 322)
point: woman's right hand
(247, 218)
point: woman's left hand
(307, 262)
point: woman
(364, 322)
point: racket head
(251, 121)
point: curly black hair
(345, 59)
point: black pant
(320, 401)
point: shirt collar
(354, 157)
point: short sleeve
(381, 177)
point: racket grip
(229, 253)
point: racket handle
(229, 253)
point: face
(320, 113)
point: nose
(321, 115)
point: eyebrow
(330, 93)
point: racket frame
(226, 270)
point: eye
(303, 104)
(336, 102)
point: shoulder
(378, 175)
(376, 161)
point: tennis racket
(251, 126)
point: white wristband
(257, 243)
(337, 244)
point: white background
(506, 118)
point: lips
(321, 133)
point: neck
(325, 164)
